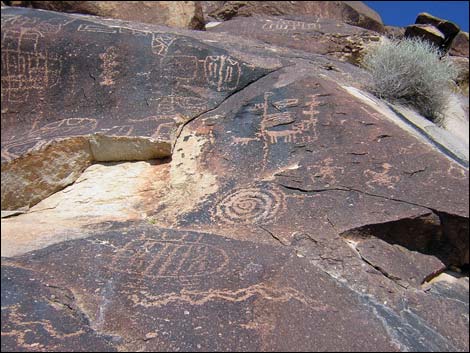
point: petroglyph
(222, 72)
(26, 68)
(288, 25)
(108, 66)
(161, 42)
(326, 171)
(23, 327)
(180, 67)
(38, 136)
(381, 178)
(250, 206)
(301, 131)
(172, 104)
(242, 140)
(96, 28)
(104, 28)
(168, 257)
(197, 297)
(286, 103)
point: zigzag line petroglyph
(196, 297)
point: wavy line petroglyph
(24, 328)
(198, 297)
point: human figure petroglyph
(222, 72)
(250, 205)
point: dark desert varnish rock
(292, 215)
(311, 34)
(355, 13)
(100, 90)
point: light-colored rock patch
(103, 192)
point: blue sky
(403, 13)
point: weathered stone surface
(217, 294)
(37, 317)
(319, 36)
(129, 82)
(355, 13)
(394, 32)
(459, 46)
(448, 28)
(241, 239)
(398, 263)
(426, 32)
(103, 192)
(179, 14)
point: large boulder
(428, 33)
(355, 13)
(459, 45)
(276, 190)
(179, 14)
(448, 28)
(430, 28)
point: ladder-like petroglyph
(168, 257)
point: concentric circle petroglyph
(250, 205)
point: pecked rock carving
(180, 190)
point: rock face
(281, 191)
(460, 45)
(180, 14)
(319, 36)
(355, 13)
(131, 100)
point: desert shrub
(411, 72)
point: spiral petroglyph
(250, 205)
